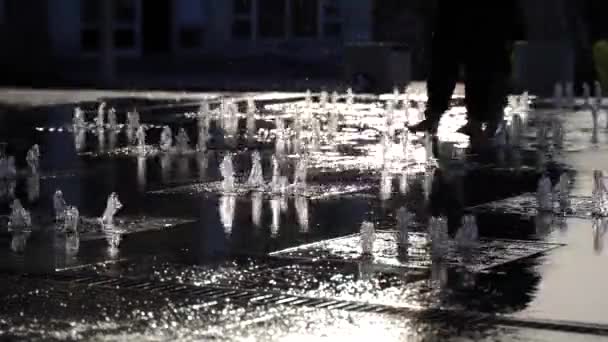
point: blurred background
(275, 44)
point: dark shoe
(427, 125)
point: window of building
(124, 23)
(305, 18)
(271, 18)
(332, 19)
(281, 19)
(242, 23)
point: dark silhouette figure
(478, 36)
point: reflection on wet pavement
(295, 238)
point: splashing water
(59, 206)
(396, 94)
(70, 224)
(141, 138)
(251, 112)
(323, 97)
(544, 194)
(227, 172)
(113, 205)
(308, 99)
(275, 182)
(333, 120)
(133, 120)
(405, 104)
(19, 219)
(230, 119)
(33, 159)
(468, 234)
(256, 177)
(316, 134)
(112, 121)
(99, 120)
(203, 133)
(350, 98)
(334, 99)
(78, 119)
(166, 139)
(279, 127)
(600, 194)
(301, 173)
(182, 141)
(368, 237)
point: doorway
(156, 26)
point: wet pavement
(198, 263)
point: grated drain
(212, 294)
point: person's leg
(487, 78)
(445, 61)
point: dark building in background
(64, 39)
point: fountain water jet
(113, 205)
(133, 120)
(350, 98)
(386, 185)
(19, 219)
(70, 223)
(544, 194)
(301, 173)
(227, 172)
(323, 97)
(78, 121)
(33, 159)
(368, 237)
(112, 121)
(99, 120)
(182, 141)
(256, 177)
(251, 112)
(141, 138)
(166, 139)
(227, 209)
(59, 206)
